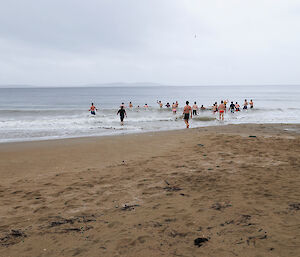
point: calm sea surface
(48, 113)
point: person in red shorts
(221, 109)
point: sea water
(50, 113)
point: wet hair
(122, 103)
(194, 102)
(202, 105)
(130, 102)
(232, 102)
(236, 102)
(221, 101)
(245, 99)
(251, 100)
(173, 103)
(187, 102)
(92, 103)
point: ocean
(51, 113)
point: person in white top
(195, 108)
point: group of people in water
(188, 111)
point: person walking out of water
(221, 109)
(177, 104)
(93, 109)
(168, 105)
(245, 105)
(186, 112)
(174, 106)
(237, 107)
(122, 113)
(231, 107)
(195, 108)
(251, 104)
(130, 105)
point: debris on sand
(294, 206)
(200, 241)
(80, 219)
(170, 188)
(129, 207)
(220, 206)
(14, 237)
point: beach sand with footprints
(216, 191)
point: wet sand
(237, 187)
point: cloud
(172, 41)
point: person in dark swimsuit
(122, 113)
(187, 110)
(232, 106)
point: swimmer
(221, 110)
(237, 107)
(130, 105)
(245, 105)
(122, 113)
(251, 104)
(231, 107)
(186, 112)
(174, 106)
(202, 107)
(146, 106)
(160, 104)
(93, 109)
(195, 108)
(168, 105)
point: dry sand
(153, 194)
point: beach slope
(235, 187)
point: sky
(171, 42)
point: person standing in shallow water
(187, 110)
(251, 104)
(174, 106)
(93, 109)
(122, 113)
(221, 109)
(195, 109)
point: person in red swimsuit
(186, 112)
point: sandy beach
(235, 187)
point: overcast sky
(174, 42)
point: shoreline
(143, 132)
(154, 193)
